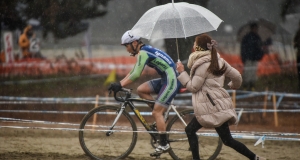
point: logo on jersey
(163, 57)
(160, 64)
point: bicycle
(109, 132)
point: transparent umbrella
(291, 23)
(175, 20)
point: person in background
(251, 53)
(297, 47)
(213, 106)
(24, 41)
(2, 57)
(166, 87)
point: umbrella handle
(178, 60)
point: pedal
(156, 155)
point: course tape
(147, 113)
(235, 134)
(168, 132)
(5, 119)
(245, 94)
(105, 100)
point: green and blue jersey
(167, 86)
(154, 58)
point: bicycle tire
(209, 147)
(93, 136)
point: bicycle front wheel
(99, 142)
(209, 147)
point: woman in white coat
(212, 104)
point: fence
(181, 100)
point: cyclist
(166, 87)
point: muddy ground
(49, 144)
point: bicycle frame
(129, 102)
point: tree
(62, 17)
(184, 45)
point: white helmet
(128, 37)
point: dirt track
(28, 144)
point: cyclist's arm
(125, 80)
(136, 72)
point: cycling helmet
(128, 37)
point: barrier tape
(148, 113)
(91, 100)
(246, 94)
(177, 102)
(237, 134)
(5, 119)
(168, 132)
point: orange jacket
(24, 42)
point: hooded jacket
(24, 42)
(212, 103)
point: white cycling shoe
(162, 149)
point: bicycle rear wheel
(98, 142)
(209, 147)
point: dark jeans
(224, 134)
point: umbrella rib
(180, 21)
(155, 23)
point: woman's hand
(180, 67)
(230, 86)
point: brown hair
(201, 41)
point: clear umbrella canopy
(291, 23)
(175, 20)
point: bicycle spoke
(95, 140)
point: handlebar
(127, 94)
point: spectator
(212, 104)
(297, 47)
(267, 45)
(24, 41)
(251, 53)
(2, 57)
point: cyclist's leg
(157, 113)
(145, 90)
(168, 91)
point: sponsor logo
(172, 84)
(159, 64)
(166, 96)
(139, 61)
(169, 90)
(163, 57)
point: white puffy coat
(212, 103)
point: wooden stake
(265, 103)
(106, 97)
(275, 110)
(234, 99)
(95, 115)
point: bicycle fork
(108, 133)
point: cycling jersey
(165, 67)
